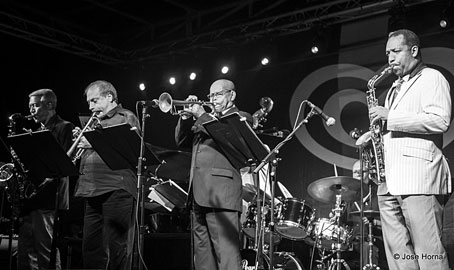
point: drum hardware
(370, 215)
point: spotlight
(314, 49)
(192, 76)
(172, 80)
(265, 61)
(444, 23)
(142, 86)
(225, 69)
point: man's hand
(195, 110)
(378, 113)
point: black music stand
(48, 160)
(172, 193)
(121, 147)
(243, 149)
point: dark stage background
(335, 80)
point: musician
(38, 214)
(108, 232)
(417, 174)
(215, 185)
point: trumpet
(167, 104)
(76, 154)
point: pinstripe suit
(416, 170)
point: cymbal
(368, 213)
(176, 165)
(326, 189)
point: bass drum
(281, 261)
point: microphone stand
(138, 262)
(271, 157)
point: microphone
(153, 103)
(328, 120)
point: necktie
(394, 93)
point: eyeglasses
(218, 94)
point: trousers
(108, 233)
(412, 227)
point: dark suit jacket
(214, 182)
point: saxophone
(374, 152)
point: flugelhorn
(167, 104)
(76, 154)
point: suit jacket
(420, 114)
(213, 181)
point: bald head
(222, 94)
(221, 85)
(356, 170)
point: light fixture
(265, 61)
(225, 69)
(192, 76)
(172, 80)
(314, 49)
(443, 23)
(142, 86)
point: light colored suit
(421, 112)
(416, 171)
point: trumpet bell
(165, 102)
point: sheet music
(161, 200)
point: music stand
(170, 195)
(121, 147)
(48, 160)
(243, 148)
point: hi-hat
(326, 189)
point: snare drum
(294, 218)
(250, 224)
(326, 233)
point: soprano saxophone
(374, 156)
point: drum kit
(295, 220)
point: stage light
(314, 49)
(225, 69)
(443, 23)
(192, 76)
(265, 61)
(172, 80)
(142, 86)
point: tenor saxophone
(374, 156)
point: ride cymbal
(326, 189)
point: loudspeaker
(167, 251)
